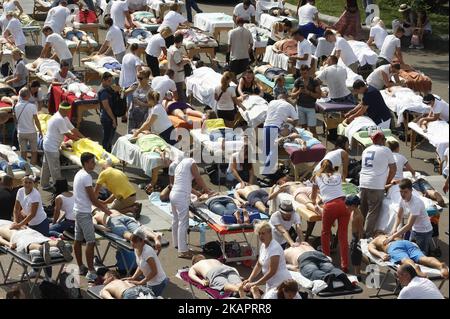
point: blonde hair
(262, 226)
(326, 167)
(227, 77)
(146, 72)
(153, 96)
(17, 51)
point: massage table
(79, 105)
(437, 134)
(94, 291)
(202, 85)
(180, 123)
(132, 155)
(279, 60)
(23, 260)
(41, 8)
(41, 76)
(152, 27)
(161, 7)
(89, 28)
(263, 6)
(255, 110)
(432, 274)
(222, 230)
(214, 23)
(197, 41)
(363, 52)
(33, 31)
(18, 174)
(183, 274)
(100, 70)
(332, 115)
(84, 47)
(260, 38)
(268, 85)
(266, 21)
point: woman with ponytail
(328, 183)
(158, 121)
(226, 99)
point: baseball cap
(376, 134)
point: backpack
(87, 16)
(50, 290)
(212, 249)
(118, 104)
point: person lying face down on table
(212, 273)
(27, 240)
(227, 206)
(315, 265)
(254, 196)
(403, 252)
(116, 288)
(123, 226)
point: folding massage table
(202, 84)
(268, 84)
(152, 27)
(197, 41)
(260, 38)
(391, 269)
(41, 8)
(316, 287)
(214, 23)
(183, 274)
(23, 260)
(161, 7)
(130, 153)
(278, 59)
(263, 6)
(437, 135)
(84, 47)
(266, 21)
(363, 52)
(34, 73)
(255, 110)
(79, 105)
(94, 291)
(99, 71)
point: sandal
(187, 255)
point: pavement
(432, 64)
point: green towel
(148, 143)
(350, 189)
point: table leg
(413, 141)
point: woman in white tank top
(64, 203)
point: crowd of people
(153, 92)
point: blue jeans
(133, 292)
(422, 240)
(223, 206)
(108, 134)
(18, 165)
(158, 289)
(227, 134)
(191, 4)
(57, 229)
(89, 3)
(314, 265)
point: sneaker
(27, 168)
(32, 274)
(9, 171)
(91, 276)
(46, 253)
(65, 250)
(137, 213)
(412, 46)
(420, 47)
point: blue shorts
(404, 249)
(307, 116)
(134, 292)
(72, 34)
(228, 134)
(121, 224)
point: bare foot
(444, 271)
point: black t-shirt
(306, 100)
(7, 200)
(377, 109)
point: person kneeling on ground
(116, 288)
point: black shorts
(239, 66)
(355, 252)
(226, 115)
(258, 195)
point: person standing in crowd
(192, 4)
(7, 197)
(372, 105)
(155, 46)
(335, 77)
(418, 222)
(14, 29)
(120, 14)
(56, 42)
(27, 120)
(177, 60)
(226, 99)
(349, 23)
(246, 11)
(307, 12)
(306, 91)
(328, 183)
(282, 221)
(19, 78)
(58, 127)
(36, 94)
(84, 199)
(114, 40)
(343, 50)
(304, 52)
(180, 196)
(415, 287)
(380, 78)
(138, 111)
(165, 86)
(172, 20)
(107, 117)
(57, 17)
(377, 169)
(240, 42)
(391, 49)
(377, 33)
(131, 65)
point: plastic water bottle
(202, 230)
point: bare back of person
(204, 266)
(248, 189)
(293, 253)
(117, 287)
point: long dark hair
(289, 285)
(61, 186)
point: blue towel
(309, 140)
(112, 66)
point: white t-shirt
(239, 11)
(60, 79)
(27, 200)
(273, 294)
(335, 157)
(115, 38)
(446, 159)
(278, 112)
(378, 34)
(118, 9)
(306, 14)
(376, 79)
(183, 176)
(347, 54)
(330, 187)
(128, 72)
(67, 206)
(174, 58)
(303, 48)
(277, 219)
(282, 274)
(162, 122)
(225, 103)
(59, 46)
(400, 162)
(441, 107)
(334, 76)
(25, 112)
(56, 128)
(155, 44)
(162, 85)
(420, 288)
(15, 28)
(390, 44)
(141, 261)
(375, 167)
(172, 20)
(82, 202)
(416, 207)
(38, 98)
(56, 18)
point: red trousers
(333, 210)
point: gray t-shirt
(21, 71)
(240, 41)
